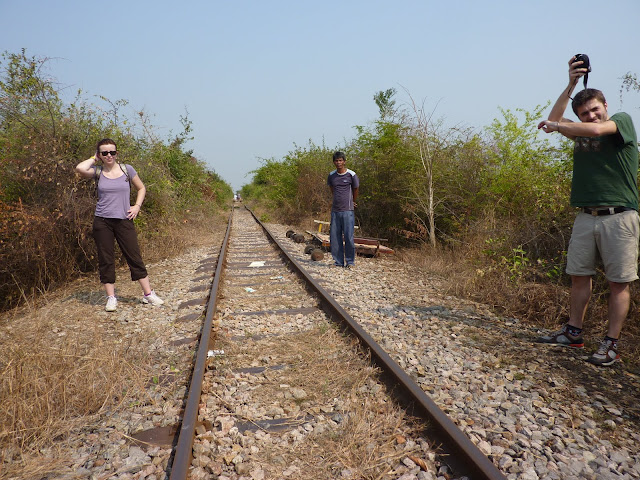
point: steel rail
(184, 448)
(470, 458)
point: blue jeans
(342, 225)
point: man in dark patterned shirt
(344, 184)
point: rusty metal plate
(200, 288)
(201, 278)
(252, 284)
(244, 266)
(161, 436)
(188, 318)
(191, 303)
(255, 338)
(257, 274)
(274, 425)
(292, 311)
(183, 341)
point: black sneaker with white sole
(562, 337)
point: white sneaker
(112, 304)
(152, 298)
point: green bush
(296, 186)
(507, 183)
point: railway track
(288, 394)
(270, 330)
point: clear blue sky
(259, 76)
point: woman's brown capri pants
(105, 232)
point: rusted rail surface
(184, 448)
(463, 455)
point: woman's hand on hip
(133, 212)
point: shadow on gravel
(97, 297)
(612, 391)
(90, 297)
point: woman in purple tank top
(113, 220)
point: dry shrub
(485, 267)
(45, 242)
(192, 229)
(29, 250)
(313, 193)
(56, 380)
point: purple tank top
(114, 195)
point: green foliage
(386, 104)
(508, 185)
(28, 101)
(45, 210)
(525, 165)
(629, 82)
(553, 268)
(384, 162)
(516, 263)
(294, 186)
(527, 182)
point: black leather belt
(596, 212)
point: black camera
(584, 58)
(581, 57)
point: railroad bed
(287, 395)
(536, 412)
(531, 418)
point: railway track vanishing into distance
(289, 388)
(253, 264)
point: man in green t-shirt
(604, 187)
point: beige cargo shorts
(614, 237)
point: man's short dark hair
(583, 96)
(338, 155)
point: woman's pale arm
(134, 210)
(84, 168)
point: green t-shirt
(605, 169)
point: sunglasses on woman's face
(113, 153)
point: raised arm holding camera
(604, 188)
